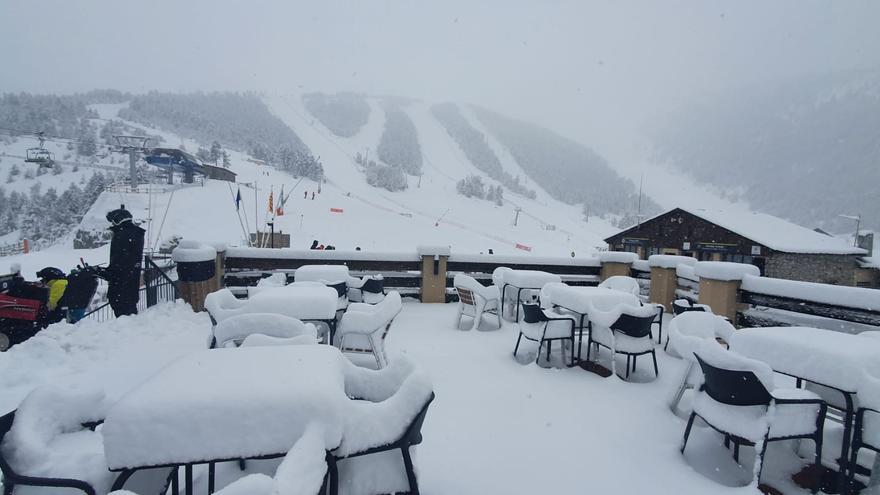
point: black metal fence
(160, 285)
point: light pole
(858, 219)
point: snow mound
(851, 297)
(618, 257)
(724, 270)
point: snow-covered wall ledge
(618, 257)
(724, 270)
(670, 260)
(836, 295)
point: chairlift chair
(40, 154)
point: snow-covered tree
(385, 176)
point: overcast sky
(592, 70)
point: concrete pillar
(719, 285)
(616, 263)
(197, 272)
(433, 286)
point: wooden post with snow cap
(433, 287)
(196, 272)
(719, 285)
(220, 265)
(664, 279)
(616, 263)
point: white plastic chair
(475, 300)
(687, 332)
(363, 327)
(498, 279)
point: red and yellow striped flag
(271, 208)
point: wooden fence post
(616, 263)
(719, 285)
(196, 272)
(664, 277)
(433, 286)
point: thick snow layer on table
(823, 356)
(533, 279)
(260, 340)
(228, 403)
(321, 273)
(724, 270)
(47, 438)
(239, 327)
(304, 303)
(617, 257)
(670, 260)
(585, 299)
(193, 251)
(838, 295)
(605, 316)
(622, 283)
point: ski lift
(40, 155)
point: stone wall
(833, 269)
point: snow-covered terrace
(498, 425)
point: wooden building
(779, 248)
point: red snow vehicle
(22, 309)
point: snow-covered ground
(498, 425)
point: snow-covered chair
(369, 289)
(363, 327)
(624, 330)
(221, 304)
(377, 437)
(680, 306)
(498, 279)
(540, 325)
(50, 442)
(232, 331)
(622, 283)
(687, 332)
(738, 398)
(866, 434)
(475, 300)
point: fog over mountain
(596, 73)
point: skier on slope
(123, 274)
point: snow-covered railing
(688, 283)
(22, 246)
(850, 304)
(401, 271)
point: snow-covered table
(227, 404)
(581, 300)
(832, 359)
(306, 303)
(524, 280)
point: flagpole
(237, 199)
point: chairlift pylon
(40, 155)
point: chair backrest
(341, 288)
(413, 433)
(532, 313)
(373, 285)
(733, 387)
(466, 296)
(498, 275)
(634, 326)
(237, 328)
(5, 425)
(680, 306)
(381, 315)
(622, 283)
(321, 273)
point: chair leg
(410, 472)
(736, 451)
(333, 475)
(549, 348)
(517, 344)
(589, 345)
(8, 487)
(760, 459)
(634, 363)
(687, 431)
(628, 357)
(656, 370)
(498, 315)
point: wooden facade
(682, 233)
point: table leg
(188, 477)
(843, 462)
(518, 296)
(332, 329)
(210, 478)
(503, 294)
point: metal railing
(159, 286)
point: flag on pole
(238, 200)
(280, 210)
(271, 207)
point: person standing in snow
(305, 195)
(123, 274)
(313, 195)
(314, 244)
(56, 281)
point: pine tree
(216, 152)
(226, 162)
(85, 137)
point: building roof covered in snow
(767, 230)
